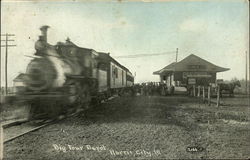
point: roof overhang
(187, 64)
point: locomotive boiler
(64, 78)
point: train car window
(122, 78)
(116, 72)
(113, 71)
(86, 61)
(94, 63)
(130, 78)
(102, 66)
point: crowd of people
(152, 88)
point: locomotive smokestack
(44, 30)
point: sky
(214, 30)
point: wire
(145, 55)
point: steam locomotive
(64, 78)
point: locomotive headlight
(40, 74)
(37, 77)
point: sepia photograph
(124, 80)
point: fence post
(190, 91)
(203, 93)
(199, 91)
(208, 95)
(218, 96)
(194, 90)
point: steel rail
(46, 124)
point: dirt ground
(173, 127)
(13, 112)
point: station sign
(196, 75)
(196, 67)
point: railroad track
(11, 136)
(19, 128)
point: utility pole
(0, 69)
(176, 56)
(6, 58)
(246, 75)
(249, 75)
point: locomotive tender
(65, 77)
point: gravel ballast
(174, 127)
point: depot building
(189, 71)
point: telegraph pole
(6, 58)
(0, 68)
(249, 74)
(246, 75)
(176, 56)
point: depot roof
(191, 63)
